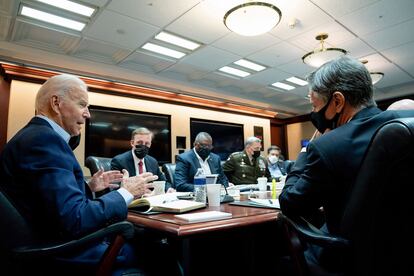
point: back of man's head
(60, 85)
(251, 140)
(346, 75)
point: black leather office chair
(94, 163)
(375, 235)
(169, 170)
(22, 252)
(288, 165)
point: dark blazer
(187, 165)
(126, 161)
(45, 182)
(324, 174)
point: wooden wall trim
(4, 106)
(103, 86)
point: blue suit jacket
(187, 165)
(42, 177)
(126, 161)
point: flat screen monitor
(108, 132)
(227, 137)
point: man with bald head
(42, 177)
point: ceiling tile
(340, 8)
(296, 68)
(378, 16)
(393, 36)
(8, 6)
(204, 22)
(403, 56)
(280, 53)
(357, 48)
(4, 26)
(122, 30)
(100, 52)
(145, 62)
(268, 76)
(245, 45)
(155, 12)
(305, 15)
(31, 35)
(210, 58)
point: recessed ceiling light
(283, 85)
(250, 65)
(53, 19)
(297, 81)
(234, 71)
(70, 6)
(176, 40)
(163, 50)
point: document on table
(274, 203)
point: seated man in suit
(246, 166)
(137, 161)
(42, 177)
(346, 116)
(276, 164)
(198, 157)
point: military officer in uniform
(246, 166)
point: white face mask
(273, 159)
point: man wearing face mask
(276, 164)
(246, 166)
(137, 161)
(198, 157)
(345, 113)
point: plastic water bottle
(200, 190)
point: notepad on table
(204, 216)
(165, 203)
(273, 203)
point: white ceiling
(380, 31)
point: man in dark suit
(276, 164)
(345, 113)
(198, 157)
(137, 161)
(42, 177)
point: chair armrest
(313, 235)
(123, 228)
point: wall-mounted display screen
(108, 132)
(227, 137)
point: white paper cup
(262, 183)
(213, 194)
(159, 187)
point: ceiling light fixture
(297, 81)
(176, 40)
(319, 56)
(70, 6)
(250, 65)
(234, 71)
(375, 76)
(53, 19)
(162, 50)
(283, 86)
(252, 18)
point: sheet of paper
(266, 202)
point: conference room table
(238, 240)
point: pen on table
(271, 202)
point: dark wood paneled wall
(4, 106)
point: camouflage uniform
(239, 170)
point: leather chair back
(169, 170)
(381, 203)
(289, 165)
(94, 163)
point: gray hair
(60, 85)
(346, 75)
(252, 140)
(202, 136)
(142, 131)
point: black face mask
(256, 154)
(140, 151)
(203, 153)
(74, 142)
(319, 120)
